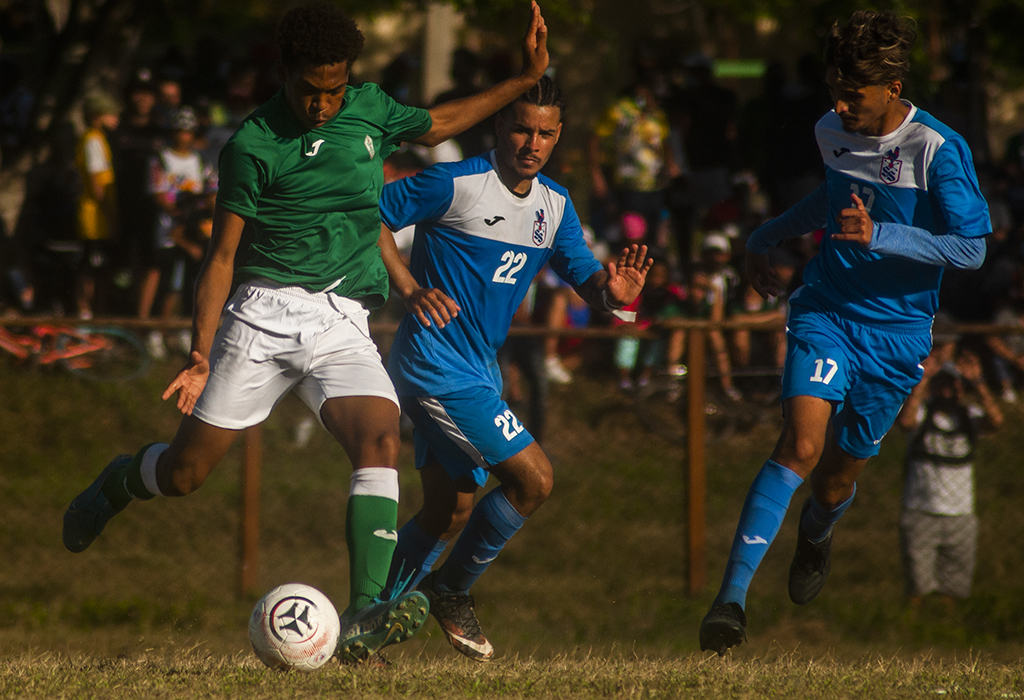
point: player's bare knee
(801, 454)
(379, 448)
(528, 494)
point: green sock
(371, 532)
(124, 484)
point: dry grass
(191, 674)
(587, 601)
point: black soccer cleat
(725, 626)
(455, 614)
(91, 510)
(811, 565)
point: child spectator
(714, 285)
(938, 525)
(176, 169)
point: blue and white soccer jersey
(861, 325)
(919, 175)
(481, 245)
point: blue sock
(491, 525)
(765, 507)
(817, 522)
(414, 555)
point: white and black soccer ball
(294, 628)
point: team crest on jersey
(891, 166)
(368, 142)
(540, 228)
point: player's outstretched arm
(423, 303)
(454, 117)
(621, 282)
(212, 291)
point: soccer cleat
(723, 627)
(455, 614)
(811, 564)
(380, 624)
(90, 511)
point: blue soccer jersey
(481, 245)
(919, 175)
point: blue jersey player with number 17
(899, 203)
(484, 228)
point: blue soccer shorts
(466, 433)
(866, 371)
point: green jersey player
(304, 172)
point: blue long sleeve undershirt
(899, 240)
(809, 214)
(913, 243)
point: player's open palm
(189, 383)
(535, 45)
(627, 275)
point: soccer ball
(294, 627)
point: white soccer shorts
(274, 339)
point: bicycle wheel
(119, 355)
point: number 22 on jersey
(509, 424)
(511, 264)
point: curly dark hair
(872, 48)
(318, 34)
(545, 93)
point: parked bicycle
(97, 354)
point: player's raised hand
(763, 277)
(189, 383)
(854, 223)
(426, 303)
(535, 45)
(627, 275)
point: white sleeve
(96, 160)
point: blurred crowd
(117, 220)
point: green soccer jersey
(312, 197)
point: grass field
(588, 601)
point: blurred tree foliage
(64, 47)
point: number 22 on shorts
(509, 424)
(819, 368)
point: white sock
(147, 469)
(375, 481)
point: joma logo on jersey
(540, 228)
(891, 166)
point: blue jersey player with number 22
(484, 228)
(899, 203)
